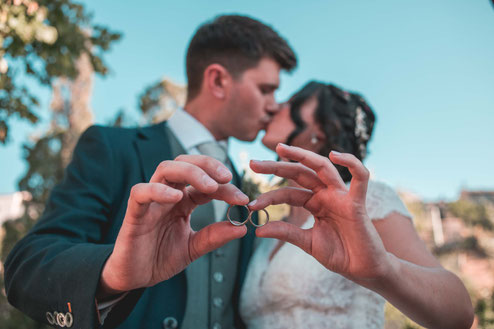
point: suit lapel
(153, 147)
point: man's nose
(272, 108)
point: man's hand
(343, 238)
(156, 241)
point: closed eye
(267, 89)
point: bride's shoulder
(382, 199)
(378, 187)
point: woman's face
(280, 128)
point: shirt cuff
(104, 307)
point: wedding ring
(249, 218)
(259, 225)
(236, 222)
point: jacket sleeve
(57, 265)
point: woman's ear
(217, 80)
(317, 136)
(321, 136)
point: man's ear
(217, 80)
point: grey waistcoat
(211, 278)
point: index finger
(301, 174)
(293, 196)
(325, 170)
(287, 232)
(214, 168)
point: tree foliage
(159, 100)
(52, 43)
(473, 213)
(40, 41)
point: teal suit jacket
(60, 260)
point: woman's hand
(343, 238)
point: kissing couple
(135, 235)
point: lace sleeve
(383, 200)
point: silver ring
(249, 218)
(235, 222)
(257, 225)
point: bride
(364, 250)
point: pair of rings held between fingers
(248, 219)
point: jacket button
(170, 323)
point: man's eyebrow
(272, 86)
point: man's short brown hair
(237, 43)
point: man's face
(251, 103)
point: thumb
(213, 237)
(289, 233)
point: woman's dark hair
(236, 42)
(345, 118)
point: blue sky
(426, 68)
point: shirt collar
(189, 131)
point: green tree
(54, 43)
(42, 40)
(474, 214)
(158, 101)
(484, 309)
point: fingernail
(240, 195)
(208, 181)
(223, 172)
(282, 145)
(335, 153)
(252, 203)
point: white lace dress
(294, 291)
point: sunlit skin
(251, 104)
(282, 125)
(386, 256)
(237, 106)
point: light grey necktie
(214, 150)
(217, 151)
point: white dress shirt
(190, 133)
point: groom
(116, 243)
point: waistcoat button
(170, 323)
(218, 277)
(218, 302)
